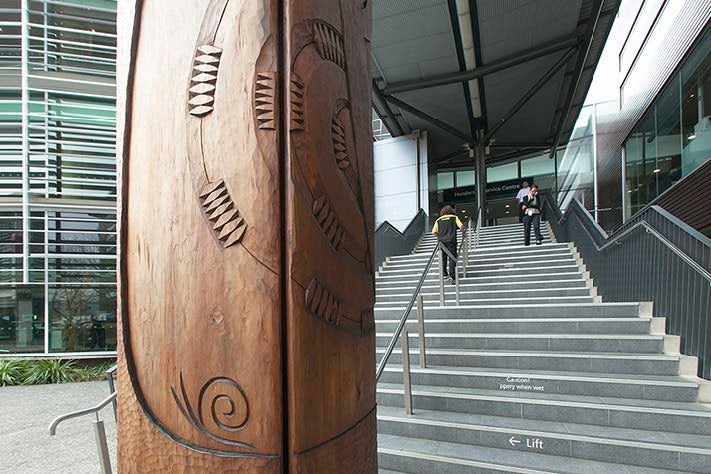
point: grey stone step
(504, 284)
(594, 310)
(525, 325)
(637, 344)
(677, 417)
(474, 265)
(583, 362)
(543, 248)
(586, 310)
(450, 294)
(543, 278)
(632, 447)
(675, 389)
(499, 301)
(471, 272)
(496, 258)
(433, 457)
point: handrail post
(421, 330)
(102, 447)
(441, 276)
(406, 371)
(456, 282)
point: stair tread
(699, 444)
(467, 335)
(676, 380)
(496, 459)
(633, 404)
(526, 306)
(509, 353)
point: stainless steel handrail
(99, 431)
(650, 230)
(405, 314)
(112, 388)
(78, 413)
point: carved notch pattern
(329, 43)
(367, 321)
(265, 100)
(340, 149)
(326, 218)
(204, 79)
(219, 208)
(226, 395)
(322, 303)
(297, 103)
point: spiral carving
(222, 406)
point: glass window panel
(696, 107)
(502, 173)
(82, 319)
(22, 319)
(445, 181)
(465, 178)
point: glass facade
(58, 176)
(576, 167)
(674, 136)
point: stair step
(561, 259)
(500, 301)
(604, 444)
(519, 272)
(476, 280)
(584, 362)
(636, 325)
(450, 294)
(511, 284)
(678, 417)
(543, 248)
(675, 389)
(427, 457)
(644, 344)
(610, 310)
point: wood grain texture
(224, 343)
(330, 222)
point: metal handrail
(650, 230)
(406, 313)
(99, 431)
(411, 304)
(78, 413)
(112, 388)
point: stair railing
(400, 329)
(99, 431)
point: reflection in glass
(82, 319)
(21, 320)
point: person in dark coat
(445, 228)
(531, 206)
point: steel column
(388, 117)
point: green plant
(35, 372)
(51, 371)
(12, 371)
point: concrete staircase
(533, 372)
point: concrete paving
(25, 414)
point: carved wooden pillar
(246, 288)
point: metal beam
(436, 122)
(527, 96)
(579, 68)
(504, 63)
(388, 117)
(520, 145)
(451, 156)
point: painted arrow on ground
(514, 441)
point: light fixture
(657, 170)
(629, 191)
(691, 136)
(507, 212)
(507, 206)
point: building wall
(396, 185)
(632, 71)
(58, 177)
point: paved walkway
(25, 414)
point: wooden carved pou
(246, 287)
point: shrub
(12, 371)
(35, 372)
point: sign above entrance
(502, 189)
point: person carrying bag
(531, 207)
